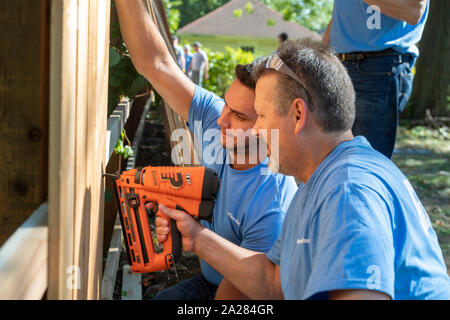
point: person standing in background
(188, 55)
(376, 41)
(199, 65)
(282, 37)
(180, 54)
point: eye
(239, 117)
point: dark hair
(330, 95)
(245, 72)
(283, 36)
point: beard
(243, 149)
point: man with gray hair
(356, 229)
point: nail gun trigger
(152, 212)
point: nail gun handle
(173, 243)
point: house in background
(256, 31)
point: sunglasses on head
(276, 63)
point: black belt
(357, 56)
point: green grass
(424, 157)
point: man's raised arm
(410, 11)
(151, 56)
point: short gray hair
(331, 93)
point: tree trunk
(431, 84)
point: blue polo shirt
(358, 224)
(357, 27)
(251, 205)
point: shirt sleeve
(353, 246)
(274, 253)
(261, 235)
(263, 221)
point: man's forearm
(141, 36)
(151, 56)
(410, 11)
(249, 271)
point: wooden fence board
(79, 60)
(23, 111)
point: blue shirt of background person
(372, 34)
(358, 224)
(250, 207)
(179, 53)
(188, 55)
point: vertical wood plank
(63, 70)
(99, 13)
(79, 88)
(82, 196)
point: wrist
(197, 240)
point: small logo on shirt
(233, 218)
(302, 241)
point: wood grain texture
(79, 61)
(23, 111)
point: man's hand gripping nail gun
(191, 189)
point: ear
(299, 113)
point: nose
(224, 119)
(255, 129)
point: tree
(172, 13)
(431, 88)
(193, 9)
(313, 14)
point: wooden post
(23, 111)
(79, 63)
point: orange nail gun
(191, 189)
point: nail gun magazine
(191, 189)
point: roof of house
(223, 21)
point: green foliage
(313, 14)
(221, 68)
(193, 9)
(249, 8)
(237, 13)
(173, 13)
(120, 149)
(124, 80)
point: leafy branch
(121, 150)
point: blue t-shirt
(357, 27)
(358, 224)
(250, 206)
(188, 58)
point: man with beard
(250, 206)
